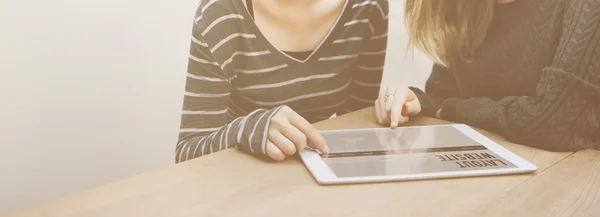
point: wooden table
(230, 183)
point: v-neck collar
(272, 47)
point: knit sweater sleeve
(563, 115)
(440, 86)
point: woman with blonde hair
(527, 69)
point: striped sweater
(237, 80)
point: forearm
(193, 143)
(247, 133)
(564, 118)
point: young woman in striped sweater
(261, 71)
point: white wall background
(408, 66)
(90, 91)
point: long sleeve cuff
(254, 129)
(427, 108)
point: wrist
(427, 108)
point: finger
(384, 117)
(378, 112)
(382, 100)
(411, 108)
(294, 135)
(314, 138)
(403, 120)
(396, 113)
(282, 142)
(390, 101)
(388, 107)
(274, 153)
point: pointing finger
(396, 113)
(313, 137)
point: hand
(395, 104)
(290, 132)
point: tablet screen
(380, 152)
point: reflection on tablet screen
(406, 151)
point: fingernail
(394, 123)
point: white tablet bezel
(323, 174)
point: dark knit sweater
(535, 80)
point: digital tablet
(410, 153)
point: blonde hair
(448, 30)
